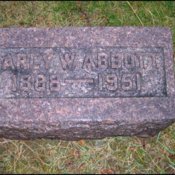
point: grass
(110, 155)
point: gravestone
(85, 82)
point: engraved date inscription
(82, 72)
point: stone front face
(85, 82)
(83, 72)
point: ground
(110, 155)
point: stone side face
(85, 82)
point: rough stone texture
(85, 82)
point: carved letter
(129, 61)
(67, 61)
(88, 64)
(102, 60)
(116, 61)
(22, 61)
(7, 64)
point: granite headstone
(85, 82)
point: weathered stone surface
(85, 82)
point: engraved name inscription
(82, 72)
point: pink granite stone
(85, 82)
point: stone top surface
(66, 77)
